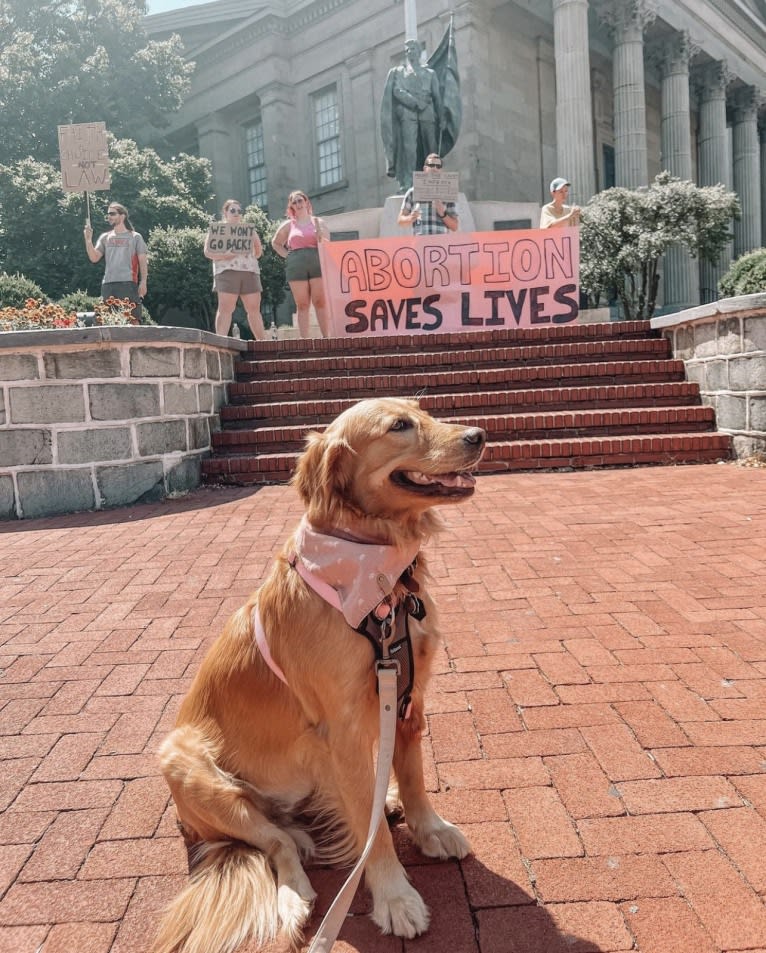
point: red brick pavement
(597, 719)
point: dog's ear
(323, 473)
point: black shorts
(303, 264)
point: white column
(574, 113)
(627, 20)
(280, 120)
(215, 144)
(747, 172)
(681, 282)
(713, 156)
(762, 134)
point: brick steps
(415, 343)
(569, 454)
(629, 349)
(570, 397)
(674, 393)
(506, 427)
(371, 384)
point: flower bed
(38, 315)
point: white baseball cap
(559, 183)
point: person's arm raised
(93, 253)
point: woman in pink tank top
(297, 240)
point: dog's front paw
(404, 914)
(294, 905)
(439, 838)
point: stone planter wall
(99, 417)
(724, 347)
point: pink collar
(351, 575)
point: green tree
(41, 226)
(271, 265)
(625, 232)
(65, 61)
(180, 276)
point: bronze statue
(420, 112)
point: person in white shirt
(557, 214)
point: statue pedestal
(473, 217)
(388, 226)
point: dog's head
(387, 461)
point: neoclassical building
(286, 94)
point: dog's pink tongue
(443, 479)
(457, 479)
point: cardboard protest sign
(461, 281)
(427, 186)
(231, 239)
(84, 153)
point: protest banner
(429, 186)
(84, 155)
(461, 281)
(231, 239)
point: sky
(162, 6)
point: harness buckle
(388, 664)
(387, 632)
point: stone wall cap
(755, 303)
(118, 334)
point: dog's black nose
(475, 436)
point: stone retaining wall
(724, 347)
(99, 417)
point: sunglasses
(433, 165)
(234, 209)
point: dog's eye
(401, 423)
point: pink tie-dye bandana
(361, 574)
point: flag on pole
(443, 62)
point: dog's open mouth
(441, 484)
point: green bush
(747, 275)
(79, 301)
(181, 276)
(16, 289)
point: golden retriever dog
(271, 761)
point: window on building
(256, 165)
(327, 126)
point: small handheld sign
(430, 186)
(227, 239)
(84, 153)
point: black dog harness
(390, 636)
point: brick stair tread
(487, 378)
(524, 454)
(322, 410)
(316, 347)
(573, 351)
(231, 441)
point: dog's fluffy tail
(231, 897)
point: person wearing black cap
(556, 214)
